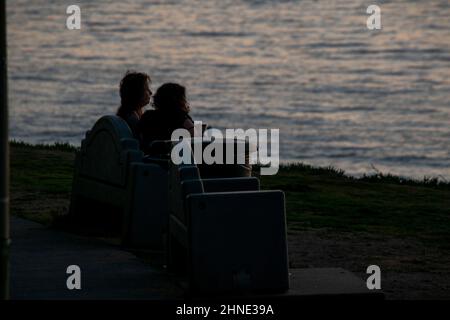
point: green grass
(316, 198)
(58, 146)
(41, 180)
(382, 204)
(42, 169)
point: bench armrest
(237, 240)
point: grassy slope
(315, 198)
(383, 205)
(40, 181)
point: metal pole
(4, 160)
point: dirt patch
(42, 208)
(410, 270)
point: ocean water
(340, 94)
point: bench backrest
(185, 180)
(107, 151)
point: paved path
(40, 257)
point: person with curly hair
(171, 112)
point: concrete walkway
(40, 257)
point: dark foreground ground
(401, 225)
(40, 257)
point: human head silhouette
(171, 97)
(135, 93)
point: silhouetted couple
(171, 108)
(171, 112)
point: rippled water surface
(341, 95)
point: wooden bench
(111, 170)
(226, 235)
